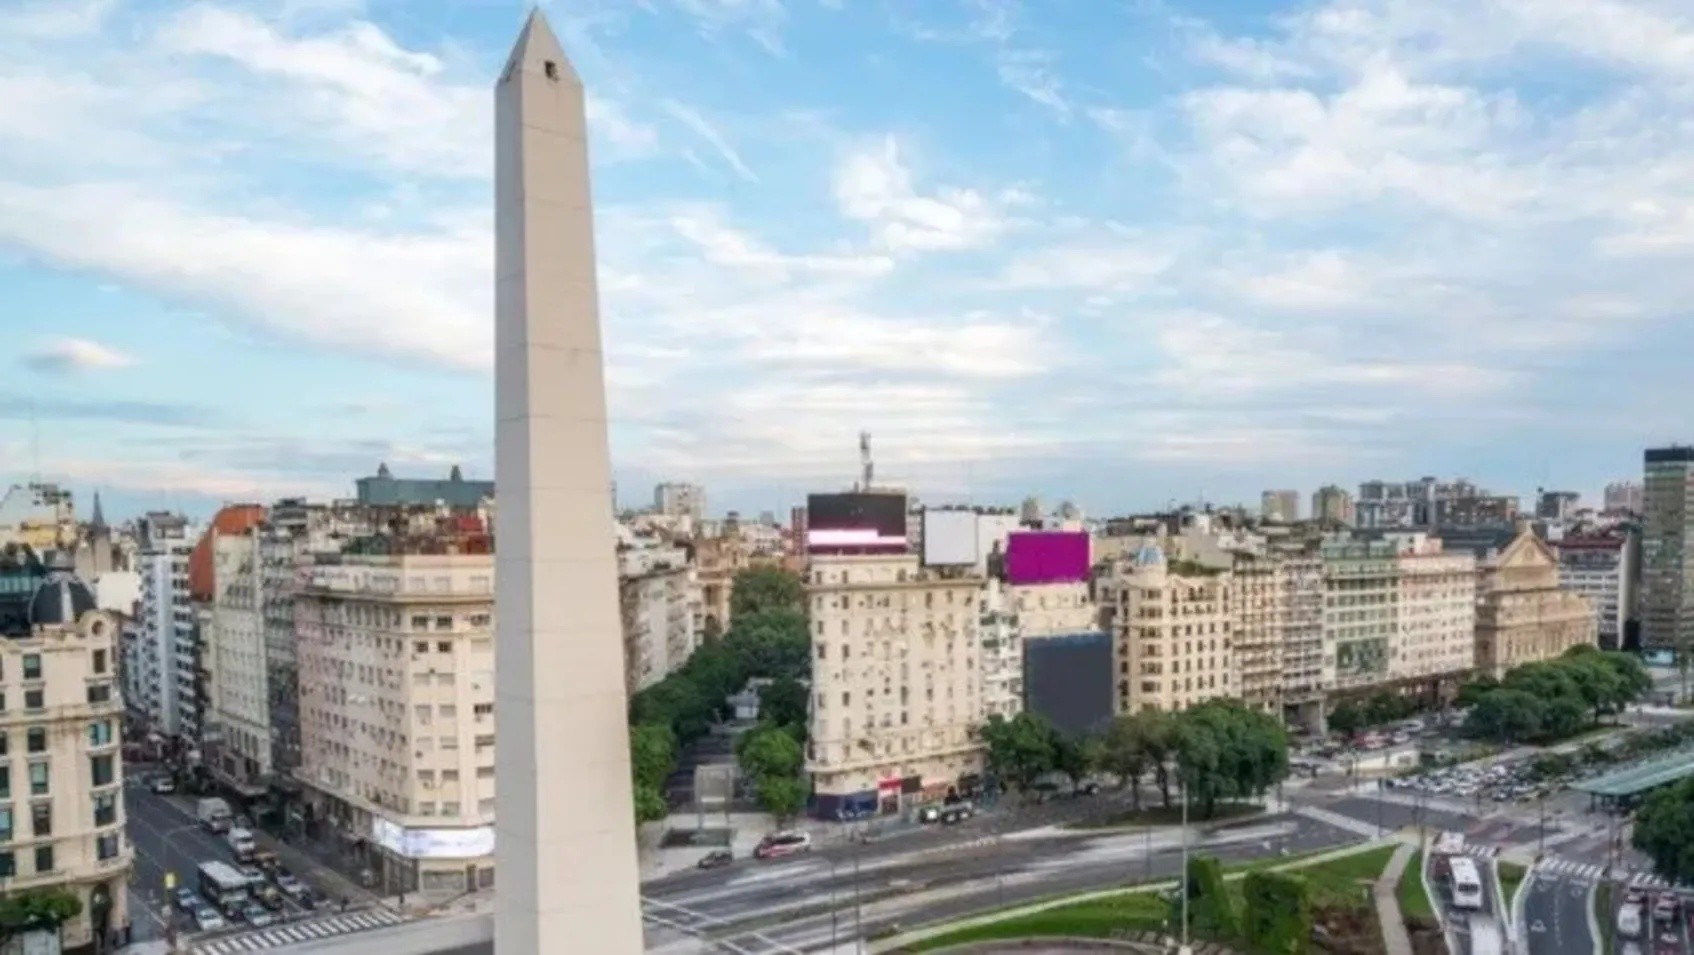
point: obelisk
(566, 874)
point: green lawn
(1510, 875)
(1414, 901)
(1338, 882)
(1100, 918)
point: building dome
(61, 599)
(1150, 555)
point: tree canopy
(1225, 749)
(1554, 699)
(37, 909)
(761, 589)
(1664, 829)
(1020, 749)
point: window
(32, 666)
(38, 778)
(8, 865)
(449, 776)
(99, 692)
(449, 809)
(426, 809)
(100, 768)
(6, 824)
(99, 734)
(5, 782)
(100, 661)
(105, 809)
(41, 819)
(443, 623)
(44, 858)
(426, 778)
(420, 646)
(445, 646)
(33, 700)
(37, 739)
(485, 772)
(106, 847)
(5, 740)
(449, 742)
(420, 622)
(449, 711)
(485, 806)
(483, 709)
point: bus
(1467, 884)
(221, 885)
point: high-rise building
(1173, 632)
(1399, 611)
(396, 658)
(680, 500)
(39, 516)
(660, 603)
(1257, 631)
(1604, 567)
(1522, 614)
(1333, 505)
(1667, 570)
(1625, 497)
(1280, 507)
(1556, 505)
(63, 731)
(1428, 502)
(161, 660)
(193, 646)
(1299, 576)
(237, 741)
(1361, 586)
(1001, 661)
(897, 695)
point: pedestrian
(344, 903)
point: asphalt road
(166, 839)
(1556, 916)
(1657, 938)
(1462, 925)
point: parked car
(187, 899)
(162, 785)
(1665, 908)
(207, 919)
(957, 812)
(716, 859)
(252, 874)
(779, 844)
(257, 915)
(268, 896)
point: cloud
(726, 246)
(692, 119)
(873, 185)
(72, 355)
(57, 19)
(761, 20)
(625, 135)
(105, 409)
(1031, 73)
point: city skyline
(1123, 258)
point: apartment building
(1360, 614)
(161, 660)
(1437, 614)
(61, 768)
(396, 661)
(680, 500)
(659, 601)
(1280, 507)
(896, 683)
(1300, 582)
(283, 558)
(237, 740)
(1258, 631)
(1173, 629)
(1604, 567)
(1001, 660)
(1667, 567)
(1427, 502)
(1333, 505)
(1523, 615)
(1625, 497)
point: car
(289, 885)
(779, 844)
(252, 874)
(716, 859)
(162, 785)
(257, 915)
(207, 919)
(1633, 895)
(268, 896)
(187, 899)
(1665, 908)
(929, 814)
(1088, 787)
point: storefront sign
(433, 843)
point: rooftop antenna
(865, 459)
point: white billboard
(433, 843)
(949, 538)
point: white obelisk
(566, 874)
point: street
(1557, 914)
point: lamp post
(1184, 880)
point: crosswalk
(1481, 851)
(1573, 870)
(295, 933)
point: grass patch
(1345, 882)
(1510, 875)
(1414, 901)
(1099, 918)
(1169, 816)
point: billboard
(856, 519)
(432, 843)
(1068, 680)
(949, 537)
(1047, 557)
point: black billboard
(1068, 680)
(855, 517)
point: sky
(1122, 252)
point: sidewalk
(1394, 935)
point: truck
(241, 843)
(213, 813)
(222, 886)
(1629, 920)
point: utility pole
(1184, 880)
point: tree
(650, 805)
(760, 589)
(782, 797)
(37, 910)
(1211, 907)
(652, 754)
(1634, 682)
(1159, 737)
(1226, 750)
(1664, 830)
(1346, 719)
(1124, 752)
(768, 752)
(1505, 715)
(1019, 749)
(1471, 693)
(785, 703)
(771, 643)
(1278, 917)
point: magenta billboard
(1046, 557)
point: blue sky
(1121, 252)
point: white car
(207, 919)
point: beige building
(61, 769)
(238, 734)
(396, 660)
(1522, 614)
(896, 683)
(1360, 612)
(1173, 634)
(1052, 610)
(659, 601)
(1001, 661)
(1436, 613)
(1260, 622)
(1299, 580)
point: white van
(1629, 920)
(242, 844)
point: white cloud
(57, 19)
(625, 135)
(1032, 73)
(872, 185)
(70, 355)
(761, 20)
(725, 246)
(714, 138)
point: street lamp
(1184, 880)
